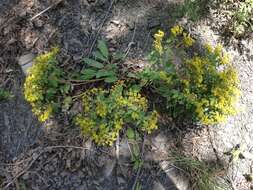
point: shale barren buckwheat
(176, 30)
(204, 88)
(106, 112)
(187, 40)
(158, 41)
(42, 84)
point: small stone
(124, 149)
(26, 61)
(38, 23)
(158, 186)
(159, 141)
(121, 180)
(112, 49)
(116, 22)
(109, 166)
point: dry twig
(45, 10)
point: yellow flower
(43, 115)
(150, 123)
(218, 50)
(163, 75)
(188, 40)
(159, 34)
(158, 41)
(109, 110)
(176, 30)
(209, 48)
(225, 59)
(101, 109)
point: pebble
(158, 186)
(121, 180)
(116, 22)
(26, 61)
(107, 171)
(38, 23)
(112, 49)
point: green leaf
(130, 133)
(99, 56)
(103, 48)
(88, 74)
(4, 94)
(65, 88)
(111, 67)
(93, 63)
(52, 81)
(138, 186)
(104, 73)
(51, 92)
(136, 150)
(111, 79)
(136, 87)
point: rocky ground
(33, 156)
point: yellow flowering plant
(43, 87)
(108, 104)
(106, 112)
(203, 88)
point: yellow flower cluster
(205, 87)
(212, 92)
(106, 111)
(36, 85)
(101, 109)
(176, 30)
(218, 50)
(165, 77)
(158, 41)
(151, 123)
(45, 58)
(45, 114)
(209, 48)
(187, 40)
(222, 56)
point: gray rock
(26, 61)
(158, 186)
(178, 179)
(108, 168)
(116, 22)
(124, 149)
(121, 180)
